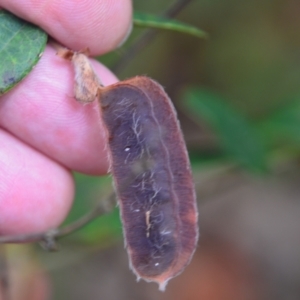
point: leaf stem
(142, 41)
(48, 239)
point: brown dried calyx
(87, 83)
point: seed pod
(152, 176)
(150, 168)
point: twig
(48, 239)
(4, 281)
(147, 36)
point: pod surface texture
(152, 178)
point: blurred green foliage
(237, 136)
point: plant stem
(48, 239)
(142, 41)
(4, 277)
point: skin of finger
(42, 112)
(99, 25)
(35, 192)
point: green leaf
(21, 45)
(237, 136)
(283, 124)
(152, 21)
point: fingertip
(99, 25)
(35, 192)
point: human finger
(99, 25)
(42, 112)
(35, 192)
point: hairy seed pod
(152, 176)
(150, 168)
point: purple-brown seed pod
(152, 177)
(150, 168)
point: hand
(44, 132)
